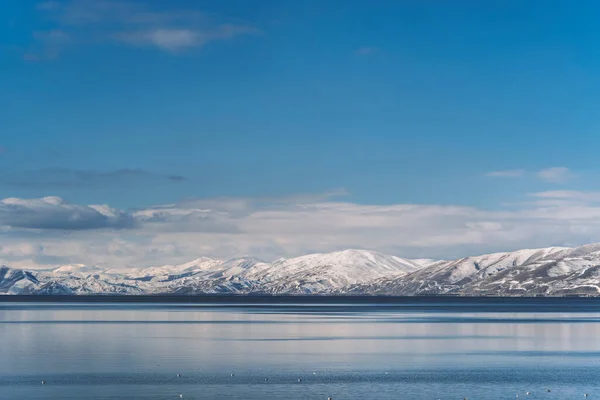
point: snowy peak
(425, 262)
(239, 266)
(318, 273)
(15, 281)
(546, 271)
(76, 269)
(243, 262)
(492, 263)
(162, 272)
(587, 251)
(202, 263)
(352, 260)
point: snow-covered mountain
(322, 273)
(548, 271)
(314, 273)
(530, 272)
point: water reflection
(101, 347)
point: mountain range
(552, 271)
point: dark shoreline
(318, 304)
(297, 299)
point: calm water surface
(135, 351)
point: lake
(438, 349)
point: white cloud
(166, 39)
(512, 173)
(22, 249)
(54, 213)
(131, 22)
(179, 39)
(49, 231)
(556, 174)
(552, 174)
(569, 195)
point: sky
(145, 132)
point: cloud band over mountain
(51, 228)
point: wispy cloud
(48, 45)
(271, 228)
(569, 195)
(511, 173)
(72, 178)
(551, 174)
(166, 39)
(556, 175)
(119, 13)
(366, 50)
(85, 22)
(178, 39)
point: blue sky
(142, 103)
